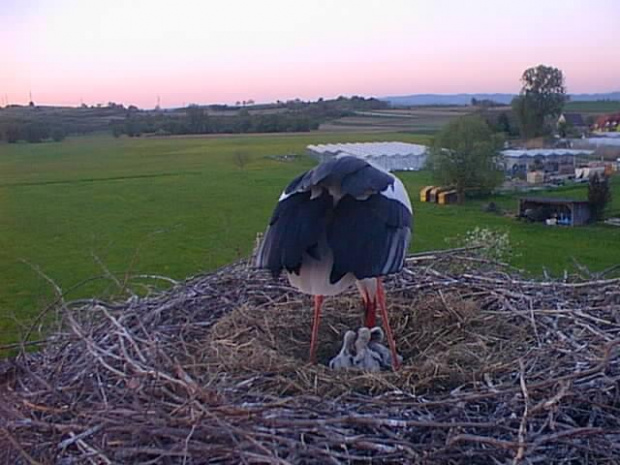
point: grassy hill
(420, 120)
(179, 206)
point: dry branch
(497, 369)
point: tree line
(291, 116)
(33, 123)
(197, 120)
(33, 132)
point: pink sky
(215, 51)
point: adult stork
(344, 222)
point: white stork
(345, 221)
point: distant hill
(465, 99)
(35, 123)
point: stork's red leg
(370, 311)
(386, 324)
(318, 302)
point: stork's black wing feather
(369, 237)
(366, 180)
(334, 170)
(295, 227)
(355, 177)
(368, 230)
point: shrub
(493, 244)
(58, 134)
(599, 195)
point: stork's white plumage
(345, 221)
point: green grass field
(593, 107)
(180, 206)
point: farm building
(535, 177)
(572, 119)
(518, 162)
(608, 122)
(610, 140)
(592, 168)
(392, 156)
(567, 212)
(572, 124)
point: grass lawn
(601, 106)
(536, 246)
(181, 206)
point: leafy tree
(530, 123)
(543, 95)
(35, 132)
(197, 119)
(117, 130)
(546, 85)
(599, 195)
(503, 123)
(243, 121)
(11, 134)
(466, 155)
(58, 134)
(133, 128)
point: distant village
(575, 154)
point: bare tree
(240, 159)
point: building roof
(597, 141)
(608, 120)
(574, 119)
(523, 153)
(371, 149)
(552, 200)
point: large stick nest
(497, 369)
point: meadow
(99, 207)
(600, 106)
(415, 119)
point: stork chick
(365, 359)
(376, 345)
(344, 359)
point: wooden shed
(566, 212)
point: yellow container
(447, 197)
(425, 192)
(434, 193)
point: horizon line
(5, 104)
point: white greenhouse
(392, 156)
(559, 161)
